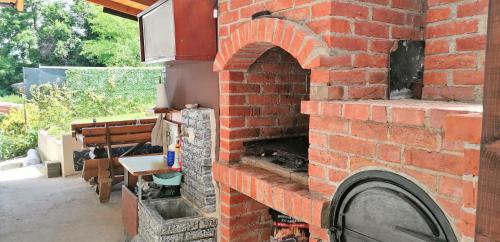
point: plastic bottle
(177, 156)
(171, 155)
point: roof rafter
(18, 3)
(119, 6)
(145, 2)
(132, 4)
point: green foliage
(18, 47)
(88, 93)
(63, 33)
(12, 99)
(55, 105)
(115, 41)
(69, 33)
(16, 135)
(60, 35)
(132, 88)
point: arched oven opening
(282, 143)
(383, 206)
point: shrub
(87, 93)
(53, 108)
(13, 98)
(138, 85)
(16, 135)
(58, 106)
(110, 91)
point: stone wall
(153, 228)
(197, 157)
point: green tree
(18, 42)
(114, 42)
(63, 33)
(65, 28)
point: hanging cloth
(157, 132)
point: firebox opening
(407, 70)
(282, 141)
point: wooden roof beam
(18, 3)
(145, 2)
(131, 3)
(117, 6)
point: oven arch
(253, 38)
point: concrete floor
(35, 208)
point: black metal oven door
(381, 206)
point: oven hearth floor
(267, 163)
(290, 153)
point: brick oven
(373, 169)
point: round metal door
(383, 206)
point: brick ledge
(276, 192)
(334, 107)
(415, 113)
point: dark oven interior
(287, 152)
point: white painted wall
(54, 149)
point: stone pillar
(197, 155)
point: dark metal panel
(488, 206)
(141, 39)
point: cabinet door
(158, 34)
(195, 30)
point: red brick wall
(260, 186)
(428, 143)
(455, 50)
(283, 85)
(361, 33)
(358, 33)
(263, 102)
(345, 44)
(241, 218)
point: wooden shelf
(163, 110)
